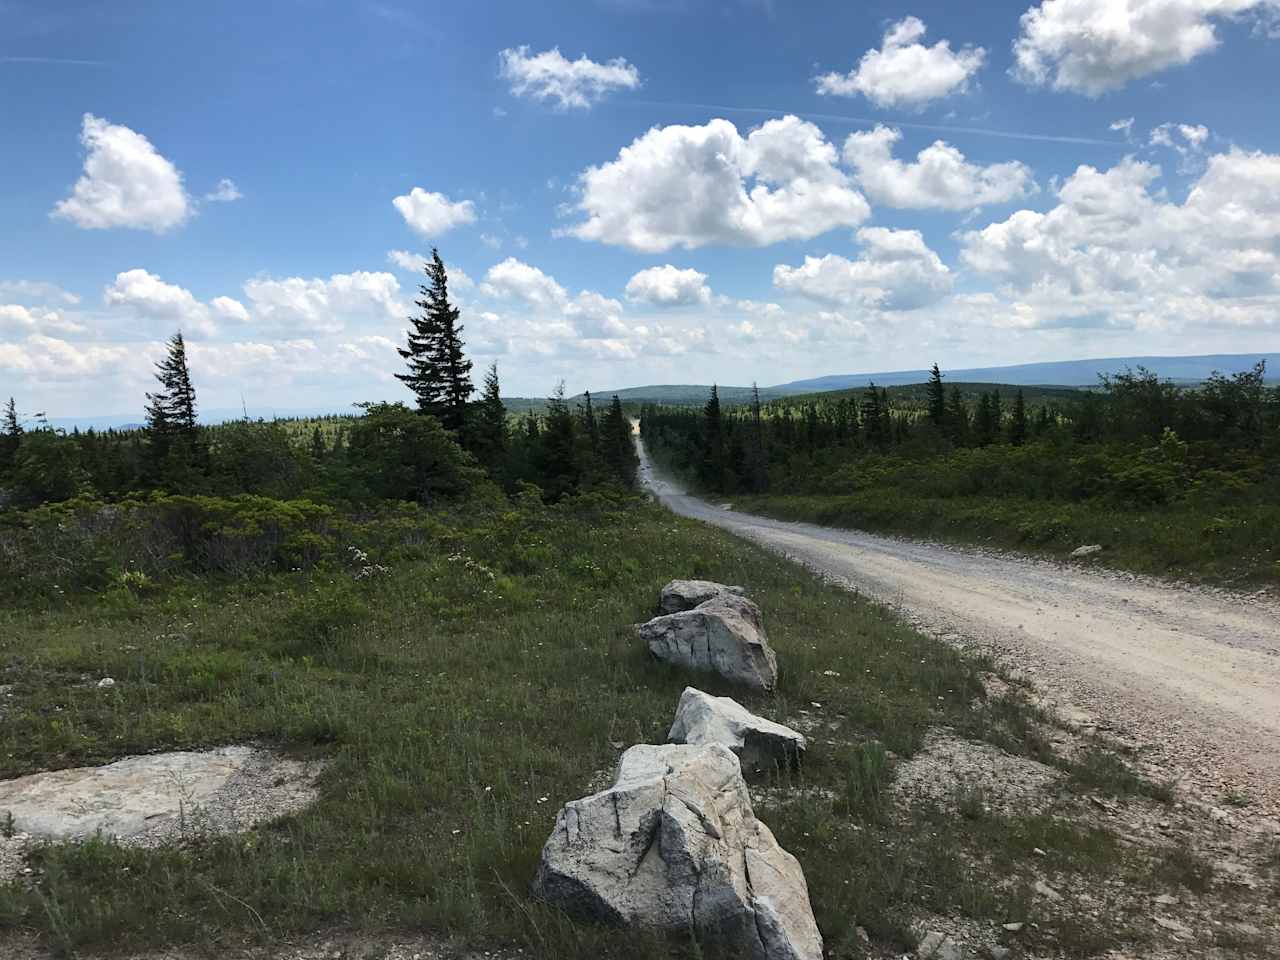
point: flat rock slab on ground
(150, 799)
(758, 742)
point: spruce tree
(984, 420)
(318, 448)
(619, 447)
(713, 438)
(173, 434)
(12, 438)
(489, 432)
(439, 372)
(560, 468)
(1018, 421)
(759, 469)
(873, 418)
(937, 397)
(589, 425)
(957, 419)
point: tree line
(792, 444)
(448, 444)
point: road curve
(1192, 676)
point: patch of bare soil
(951, 772)
(1187, 881)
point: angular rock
(759, 743)
(1086, 551)
(680, 595)
(723, 635)
(674, 845)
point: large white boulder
(758, 743)
(724, 635)
(674, 845)
(681, 595)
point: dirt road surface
(1188, 676)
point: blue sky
(627, 191)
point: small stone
(1047, 891)
(1086, 551)
(929, 945)
(1038, 852)
(996, 952)
(106, 683)
(1173, 926)
(1166, 899)
(1015, 927)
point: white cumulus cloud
(940, 178)
(147, 296)
(669, 286)
(556, 315)
(16, 319)
(317, 305)
(570, 83)
(126, 183)
(1116, 246)
(691, 186)
(414, 263)
(431, 214)
(896, 271)
(904, 72)
(1092, 46)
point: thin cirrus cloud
(1093, 46)
(940, 178)
(693, 186)
(568, 84)
(126, 183)
(904, 72)
(431, 214)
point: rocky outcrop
(680, 595)
(758, 743)
(723, 635)
(674, 845)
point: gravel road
(1189, 676)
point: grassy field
(464, 694)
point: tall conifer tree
(489, 432)
(173, 435)
(619, 447)
(1018, 421)
(12, 438)
(439, 372)
(937, 396)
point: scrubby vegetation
(466, 672)
(1170, 479)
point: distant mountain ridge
(1064, 373)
